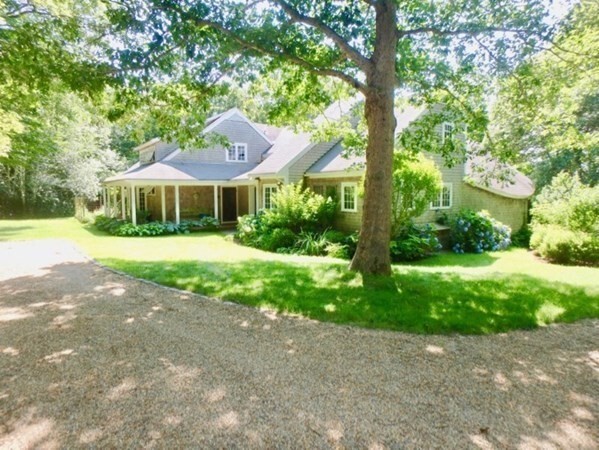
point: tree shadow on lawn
(414, 301)
(7, 231)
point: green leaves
(546, 112)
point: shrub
(583, 214)
(521, 238)
(476, 232)
(560, 245)
(250, 228)
(299, 218)
(299, 209)
(119, 227)
(351, 242)
(414, 242)
(565, 218)
(311, 243)
(337, 250)
(279, 238)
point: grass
(468, 294)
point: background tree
(72, 155)
(375, 46)
(416, 182)
(548, 111)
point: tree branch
(470, 31)
(283, 54)
(360, 60)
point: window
(447, 130)
(268, 190)
(444, 200)
(147, 157)
(142, 199)
(349, 197)
(318, 189)
(237, 152)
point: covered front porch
(154, 201)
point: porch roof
(167, 171)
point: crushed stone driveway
(91, 358)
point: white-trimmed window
(446, 130)
(141, 199)
(349, 197)
(238, 152)
(445, 198)
(267, 192)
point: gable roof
(214, 122)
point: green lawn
(469, 294)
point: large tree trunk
(372, 254)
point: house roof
(479, 173)
(163, 171)
(288, 146)
(335, 161)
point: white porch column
(109, 202)
(216, 202)
(133, 206)
(163, 203)
(115, 204)
(258, 198)
(123, 212)
(177, 210)
(104, 201)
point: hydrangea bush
(477, 232)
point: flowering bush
(476, 232)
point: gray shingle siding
(453, 175)
(236, 130)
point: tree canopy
(547, 111)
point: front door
(229, 197)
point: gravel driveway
(92, 358)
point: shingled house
(172, 185)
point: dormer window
(446, 131)
(238, 152)
(147, 157)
